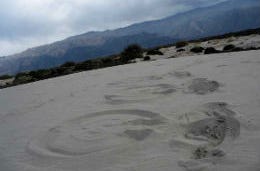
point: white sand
(198, 113)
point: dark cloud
(26, 23)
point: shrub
(64, 70)
(83, 66)
(251, 48)
(147, 58)
(21, 74)
(197, 49)
(4, 77)
(181, 44)
(22, 78)
(154, 52)
(131, 52)
(210, 50)
(97, 64)
(237, 49)
(68, 64)
(228, 47)
(40, 74)
(180, 50)
(107, 62)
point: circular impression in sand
(201, 86)
(96, 132)
(134, 94)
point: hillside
(219, 19)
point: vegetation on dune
(229, 47)
(180, 50)
(5, 77)
(181, 44)
(197, 49)
(147, 58)
(210, 50)
(68, 64)
(131, 52)
(23, 78)
(154, 52)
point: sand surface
(194, 113)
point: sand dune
(195, 113)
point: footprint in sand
(201, 86)
(96, 132)
(180, 74)
(205, 135)
(135, 94)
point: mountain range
(228, 16)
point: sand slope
(185, 114)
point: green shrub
(21, 74)
(154, 52)
(68, 64)
(180, 50)
(252, 48)
(131, 52)
(107, 61)
(147, 58)
(229, 47)
(63, 70)
(4, 77)
(40, 74)
(83, 66)
(97, 64)
(181, 44)
(210, 50)
(237, 49)
(197, 49)
(22, 78)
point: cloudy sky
(28, 23)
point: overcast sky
(29, 23)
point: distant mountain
(229, 16)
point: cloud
(26, 23)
